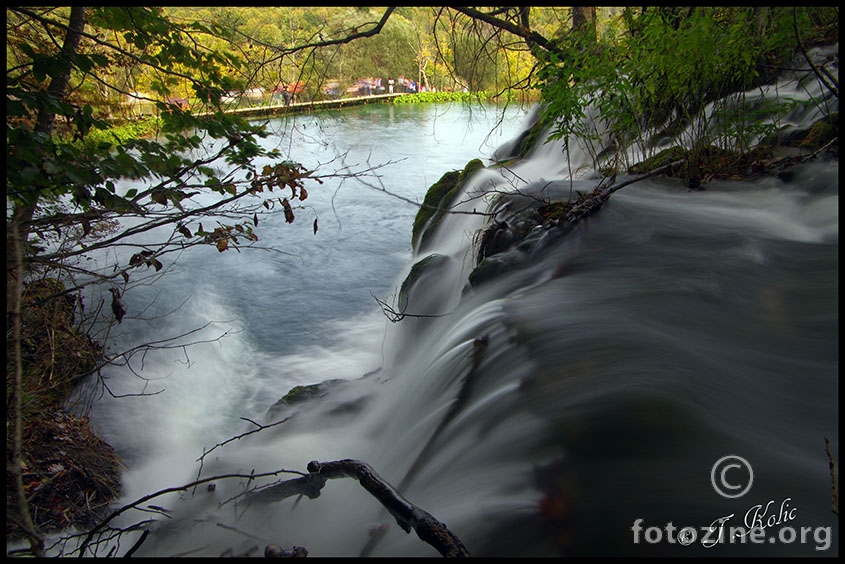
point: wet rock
(439, 197)
(420, 269)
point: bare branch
(395, 316)
(201, 459)
(102, 525)
(346, 39)
(408, 516)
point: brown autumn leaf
(288, 211)
(222, 244)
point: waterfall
(589, 378)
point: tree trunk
(17, 232)
(584, 20)
(59, 81)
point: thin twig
(834, 501)
(102, 525)
(395, 316)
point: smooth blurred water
(669, 330)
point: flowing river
(576, 404)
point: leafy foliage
(427, 97)
(67, 170)
(661, 72)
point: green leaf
(51, 167)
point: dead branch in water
(598, 197)
(407, 515)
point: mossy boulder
(662, 158)
(333, 401)
(439, 197)
(302, 394)
(417, 271)
(491, 268)
(823, 132)
(533, 140)
(527, 141)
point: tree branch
(328, 42)
(532, 38)
(834, 87)
(600, 195)
(407, 515)
(102, 525)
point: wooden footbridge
(308, 107)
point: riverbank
(70, 475)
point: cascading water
(590, 380)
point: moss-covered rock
(417, 271)
(334, 399)
(823, 132)
(491, 268)
(439, 197)
(471, 168)
(434, 199)
(662, 158)
(302, 394)
(529, 140)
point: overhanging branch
(532, 38)
(346, 39)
